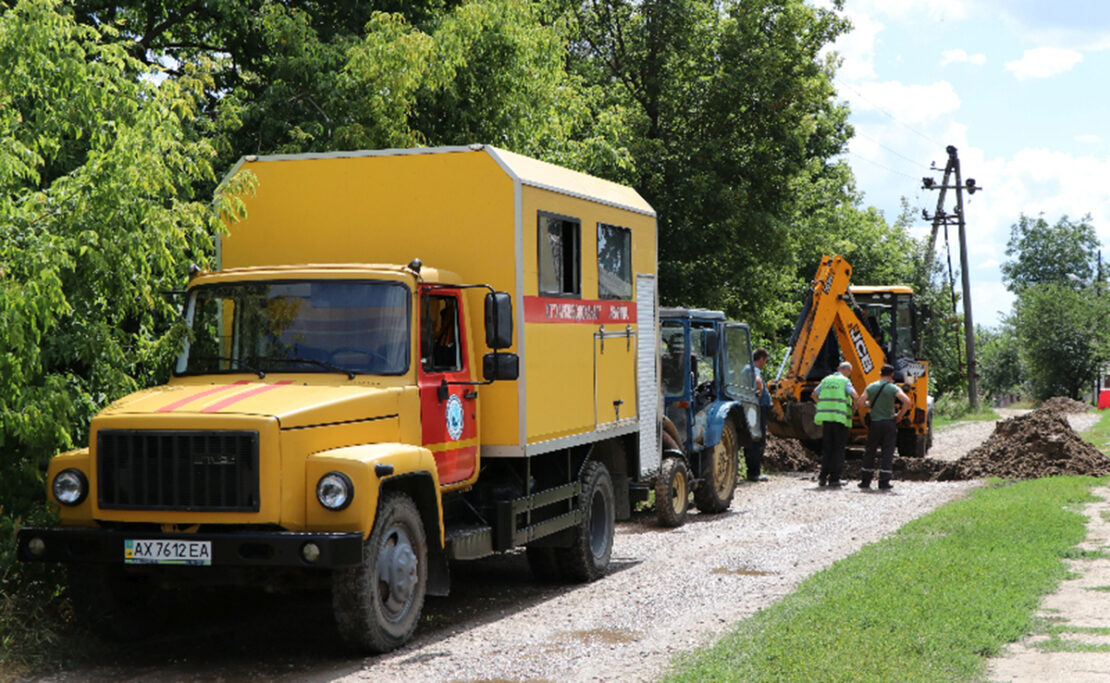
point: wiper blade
(240, 365)
(321, 363)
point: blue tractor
(710, 410)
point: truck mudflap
(308, 550)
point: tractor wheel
(587, 558)
(672, 492)
(718, 473)
(377, 604)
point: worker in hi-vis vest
(835, 397)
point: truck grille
(177, 470)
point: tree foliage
(1063, 337)
(998, 353)
(732, 110)
(1063, 253)
(97, 215)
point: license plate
(143, 551)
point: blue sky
(1018, 86)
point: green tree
(1063, 253)
(732, 110)
(97, 215)
(998, 352)
(1064, 337)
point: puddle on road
(609, 636)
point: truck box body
(480, 212)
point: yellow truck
(355, 402)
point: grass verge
(926, 604)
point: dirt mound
(788, 455)
(1062, 404)
(1039, 444)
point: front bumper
(237, 549)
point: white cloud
(959, 55)
(908, 104)
(1044, 62)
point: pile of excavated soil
(1061, 404)
(788, 455)
(1039, 444)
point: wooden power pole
(941, 217)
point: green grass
(928, 603)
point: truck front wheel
(377, 604)
(587, 558)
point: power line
(891, 116)
(896, 153)
(883, 166)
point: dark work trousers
(834, 438)
(753, 454)
(881, 434)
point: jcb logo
(861, 348)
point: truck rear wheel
(672, 492)
(714, 493)
(114, 604)
(587, 558)
(377, 604)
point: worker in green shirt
(882, 429)
(835, 396)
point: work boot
(865, 479)
(835, 483)
(884, 482)
(822, 480)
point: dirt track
(669, 591)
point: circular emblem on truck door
(454, 417)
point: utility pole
(939, 218)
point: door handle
(471, 394)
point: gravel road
(668, 591)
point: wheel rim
(599, 524)
(397, 573)
(723, 463)
(678, 491)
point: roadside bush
(951, 406)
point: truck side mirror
(709, 344)
(500, 366)
(499, 320)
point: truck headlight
(335, 490)
(70, 487)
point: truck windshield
(298, 326)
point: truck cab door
(448, 412)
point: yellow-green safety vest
(833, 402)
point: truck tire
(114, 604)
(587, 558)
(377, 604)
(718, 473)
(672, 492)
